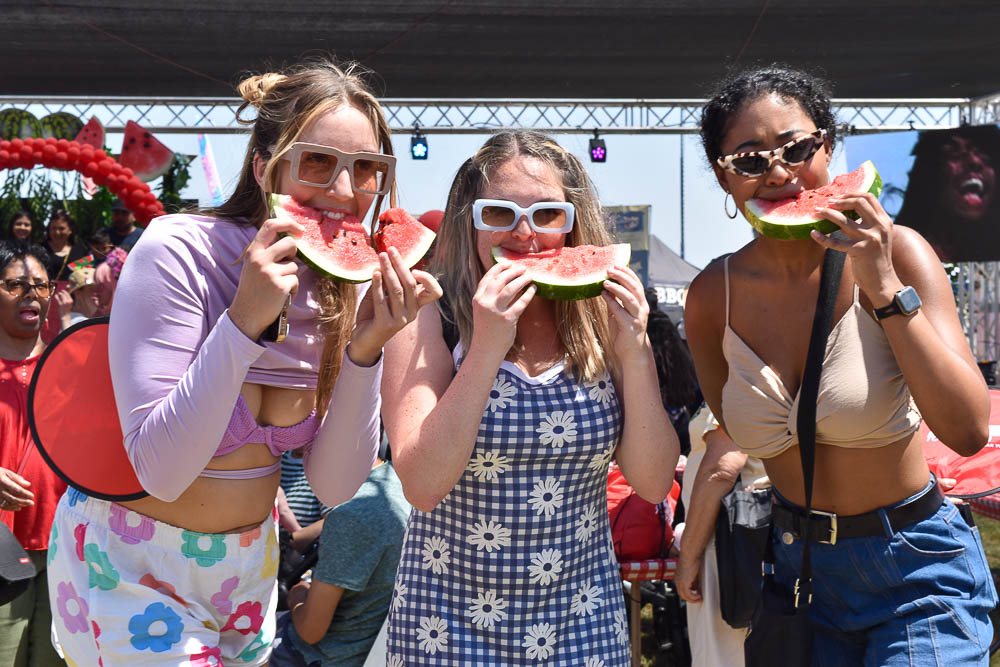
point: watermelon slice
(143, 153)
(398, 229)
(339, 247)
(92, 134)
(565, 274)
(794, 218)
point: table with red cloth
(30, 525)
(635, 572)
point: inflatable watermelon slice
(794, 218)
(143, 153)
(92, 134)
(565, 274)
(336, 244)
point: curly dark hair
(926, 209)
(736, 90)
(11, 250)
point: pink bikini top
(243, 428)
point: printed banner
(941, 183)
(630, 224)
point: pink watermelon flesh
(400, 230)
(143, 153)
(794, 217)
(92, 134)
(568, 273)
(338, 246)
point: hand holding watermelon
(629, 310)
(868, 244)
(501, 297)
(392, 302)
(267, 278)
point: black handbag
(16, 568)
(742, 530)
(781, 632)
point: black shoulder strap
(449, 329)
(833, 266)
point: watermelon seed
(131, 140)
(354, 242)
(146, 145)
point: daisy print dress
(515, 566)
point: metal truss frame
(978, 283)
(978, 287)
(216, 115)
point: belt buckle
(833, 526)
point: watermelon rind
(794, 229)
(571, 289)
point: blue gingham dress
(515, 566)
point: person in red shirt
(29, 490)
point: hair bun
(254, 89)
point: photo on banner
(941, 183)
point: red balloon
(103, 166)
(89, 169)
(61, 160)
(62, 144)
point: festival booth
(669, 275)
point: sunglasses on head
(18, 287)
(500, 215)
(756, 163)
(319, 166)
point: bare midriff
(853, 481)
(234, 505)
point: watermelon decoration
(18, 124)
(569, 273)
(143, 153)
(794, 218)
(336, 245)
(60, 125)
(91, 134)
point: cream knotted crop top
(863, 399)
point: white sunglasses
(500, 215)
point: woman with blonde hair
(503, 445)
(187, 574)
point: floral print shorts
(126, 589)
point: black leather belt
(827, 527)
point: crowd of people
(437, 441)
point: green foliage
(25, 189)
(174, 181)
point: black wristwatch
(906, 302)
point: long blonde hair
(582, 325)
(286, 102)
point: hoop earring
(725, 206)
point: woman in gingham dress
(503, 448)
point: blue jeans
(917, 595)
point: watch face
(908, 300)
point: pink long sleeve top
(178, 362)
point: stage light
(598, 151)
(418, 145)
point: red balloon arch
(89, 161)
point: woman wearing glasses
(904, 580)
(504, 410)
(208, 405)
(29, 490)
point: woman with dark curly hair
(951, 197)
(898, 576)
